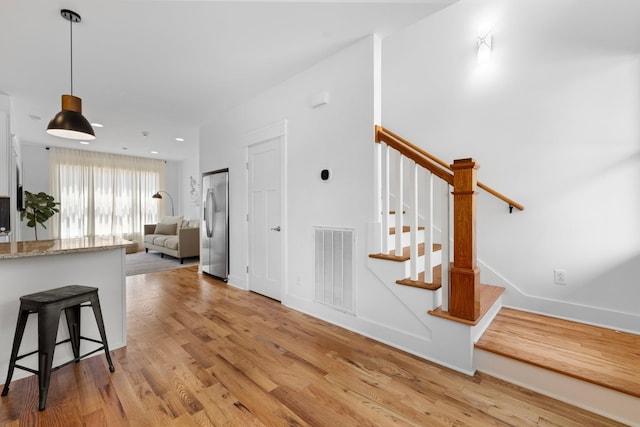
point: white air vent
(335, 278)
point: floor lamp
(159, 196)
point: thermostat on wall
(325, 174)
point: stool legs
(97, 312)
(46, 347)
(17, 339)
(73, 324)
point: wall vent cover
(334, 269)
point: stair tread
(405, 229)
(489, 294)
(597, 355)
(420, 283)
(406, 253)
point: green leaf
(38, 209)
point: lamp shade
(159, 196)
(69, 122)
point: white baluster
(399, 203)
(385, 198)
(413, 187)
(428, 229)
(446, 236)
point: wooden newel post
(464, 300)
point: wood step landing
(600, 356)
(489, 294)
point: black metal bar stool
(48, 305)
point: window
(103, 194)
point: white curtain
(103, 194)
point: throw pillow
(166, 228)
(170, 220)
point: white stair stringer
(415, 299)
(450, 343)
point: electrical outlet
(560, 277)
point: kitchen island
(34, 266)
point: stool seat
(67, 295)
(48, 305)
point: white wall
(178, 184)
(190, 183)
(5, 161)
(553, 120)
(338, 136)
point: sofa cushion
(159, 239)
(166, 228)
(148, 238)
(171, 243)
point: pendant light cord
(71, 43)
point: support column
(465, 276)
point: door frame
(258, 136)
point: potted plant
(38, 208)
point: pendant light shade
(69, 122)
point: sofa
(173, 236)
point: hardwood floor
(201, 353)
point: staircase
(423, 251)
(423, 247)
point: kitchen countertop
(60, 246)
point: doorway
(265, 219)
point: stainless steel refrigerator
(214, 242)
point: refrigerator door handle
(210, 213)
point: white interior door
(265, 218)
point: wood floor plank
(202, 353)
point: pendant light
(70, 123)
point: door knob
(276, 228)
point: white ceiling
(163, 67)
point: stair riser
(435, 256)
(609, 403)
(388, 272)
(406, 239)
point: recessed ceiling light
(84, 143)
(97, 125)
(34, 117)
(179, 139)
(124, 148)
(154, 152)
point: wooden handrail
(397, 141)
(409, 150)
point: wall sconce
(159, 196)
(485, 41)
